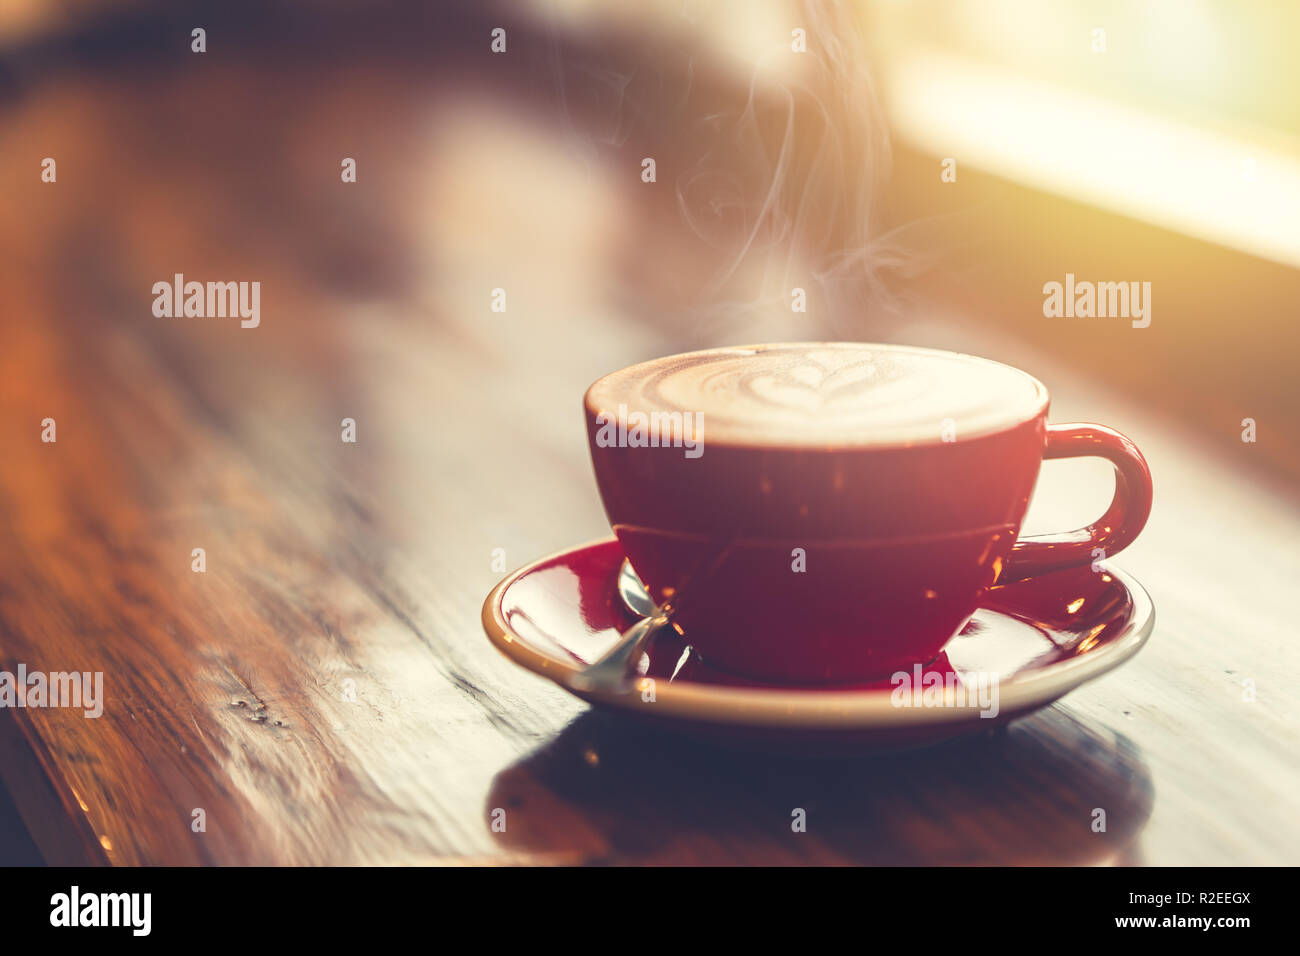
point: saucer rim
(811, 706)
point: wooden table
(334, 566)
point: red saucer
(1029, 643)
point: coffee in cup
(835, 511)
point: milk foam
(823, 393)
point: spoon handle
(612, 671)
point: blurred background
(795, 146)
(1152, 141)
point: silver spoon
(612, 673)
(634, 594)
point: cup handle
(1109, 534)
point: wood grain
(330, 563)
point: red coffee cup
(860, 543)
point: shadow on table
(605, 791)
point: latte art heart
(820, 393)
(812, 384)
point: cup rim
(865, 441)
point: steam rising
(774, 181)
